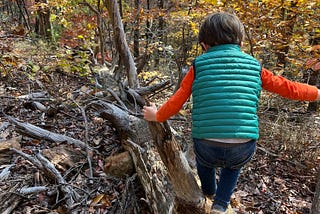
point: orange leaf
(315, 47)
(102, 200)
(97, 199)
(311, 62)
(316, 67)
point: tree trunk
(314, 79)
(136, 30)
(316, 200)
(43, 24)
(286, 32)
(312, 74)
(152, 176)
(185, 188)
(121, 43)
(188, 193)
(101, 30)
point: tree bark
(100, 27)
(188, 193)
(152, 176)
(43, 24)
(136, 30)
(315, 209)
(185, 188)
(121, 43)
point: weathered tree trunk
(188, 193)
(316, 200)
(136, 30)
(24, 15)
(312, 75)
(101, 30)
(188, 196)
(286, 32)
(314, 79)
(121, 43)
(152, 176)
(43, 24)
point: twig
(71, 196)
(278, 156)
(5, 172)
(4, 125)
(86, 141)
(30, 158)
(32, 190)
(49, 169)
(160, 91)
(117, 98)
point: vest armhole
(194, 68)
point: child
(225, 84)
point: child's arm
(175, 102)
(287, 88)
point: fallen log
(135, 137)
(189, 197)
(43, 134)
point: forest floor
(281, 177)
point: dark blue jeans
(230, 158)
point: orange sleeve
(287, 88)
(176, 101)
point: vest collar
(224, 47)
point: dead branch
(86, 142)
(30, 158)
(152, 88)
(117, 98)
(4, 125)
(43, 134)
(70, 194)
(5, 172)
(52, 173)
(279, 156)
(35, 96)
(32, 190)
(316, 200)
(121, 43)
(135, 98)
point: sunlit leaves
(213, 2)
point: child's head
(221, 28)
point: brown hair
(221, 28)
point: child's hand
(150, 112)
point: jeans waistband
(221, 144)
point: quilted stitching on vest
(225, 94)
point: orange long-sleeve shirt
(270, 82)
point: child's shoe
(217, 209)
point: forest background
(75, 47)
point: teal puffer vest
(225, 94)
